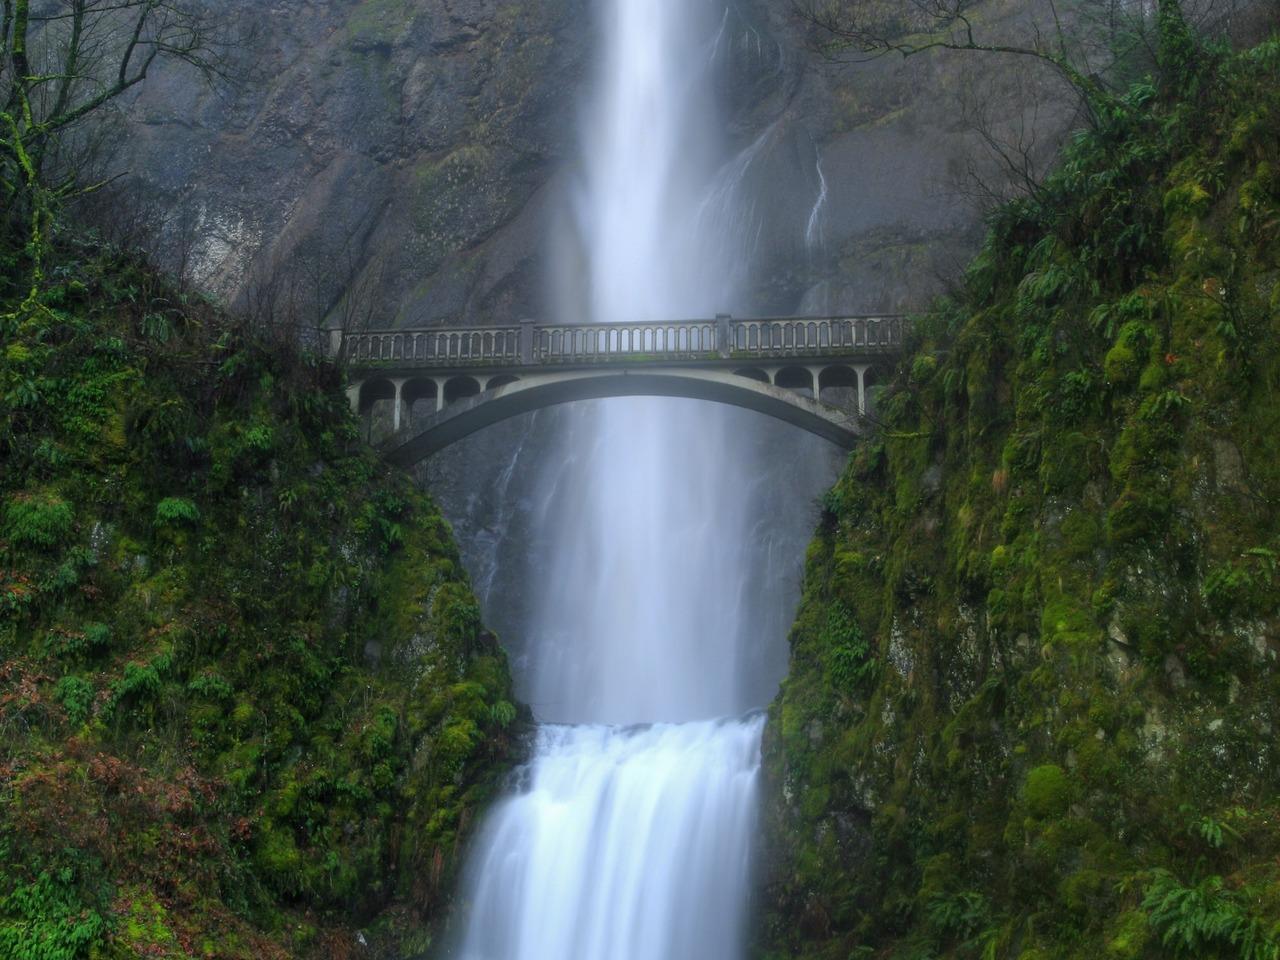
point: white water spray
(590, 859)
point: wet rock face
(388, 145)
(871, 184)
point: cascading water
(630, 837)
(628, 844)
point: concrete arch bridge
(446, 383)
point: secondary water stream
(655, 630)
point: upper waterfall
(655, 587)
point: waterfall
(626, 844)
(656, 630)
(648, 532)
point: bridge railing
(529, 343)
(572, 343)
(435, 347)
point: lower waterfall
(623, 843)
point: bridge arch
(796, 378)
(421, 398)
(753, 373)
(462, 417)
(875, 379)
(459, 388)
(371, 391)
(838, 375)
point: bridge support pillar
(724, 342)
(816, 373)
(861, 371)
(398, 403)
(353, 395)
(527, 334)
(439, 393)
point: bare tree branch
(62, 62)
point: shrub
(848, 652)
(1205, 919)
(176, 510)
(76, 696)
(39, 520)
(211, 685)
(503, 713)
(46, 920)
(140, 682)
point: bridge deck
(722, 341)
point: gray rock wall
(408, 149)
(404, 147)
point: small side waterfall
(630, 836)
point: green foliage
(45, 919)
(139, 684)
(76, 695)
(243, 668)
(1246, 586)
(503, 713)
(212, 686)
(1206, 920)
(176, 510)
(1064, 544)
(1047, 791)
(1213, 831)
(957, 916)
(41, 520)
(1120, 365)
(850, 658)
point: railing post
(724, 345)
(527, 332)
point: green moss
(1076, 616)
(1189, 199)
(1047, 792)
(1120, 365)
(226, 755)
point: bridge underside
(503, 400)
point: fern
(175, 510)
(849, 657)
(76, 696)
(958, 915)
(41, 520)
(502, 713)
(46, 920)
(1205, 919)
